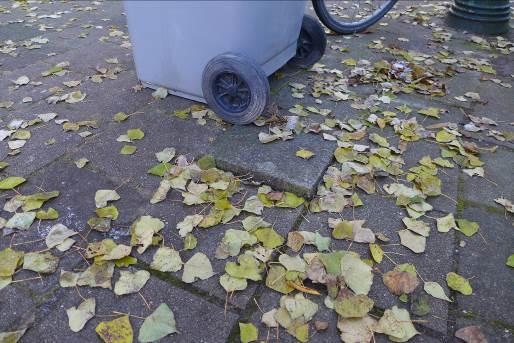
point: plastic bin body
(174, 40)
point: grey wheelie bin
(221, 52)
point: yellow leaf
(305, 154)
(115, 331)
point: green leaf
(21, 221)
(190, 242)
(305, 154)
(44, 263)
(435, 290)
(234, 240)
(159, 169)
(353, 306)
(120, 116)
(9, 261)
(198, 266)
(131, 282)
(135, 134)
(116, 331)
(206, 162)
(430, 112)
(108, 212)
(467, 227)
(248, 268)
(143, 230)
(11, 182)
(458, 283)
(269, 238)
(166, 260)
(125, 261)
(343, 230)
(356, 274)
(376, 252)
(510, 261)
(444, 224)
(79, 316)
(57, 235)
(376, 138)
(248, 332)
(50, 214)
(159, 324)
(290, 200)
(276, 279)
(128, 149)
(231, 284)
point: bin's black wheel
(235, 87)
(311, 43)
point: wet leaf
(199, 267)
(116, 331)
(458, 283)
(166, 155)
(292, 263)
(80, 315)
(253, 205)
(160, 93)
(397, 325)
(159, 324)
(417, 226)
(234, 240)
(510, 261)
(120, 116)
(44, 263)
(166, 260)
(435, 290)
(190, 242)
(420, 304)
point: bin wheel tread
(235, 87)
(311, 43)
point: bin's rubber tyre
(235, 87)
(311, 43)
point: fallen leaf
(160, 93)
(400, 283)
(102, 196)
(356, 274)
(353, 306)
(131, 282)
(358, 330)
(143, 230)
(471, 334)
(248, 332)
(197, 266)
(21, 221)
(435, 290)
(80, 315)
(44, 262)
(11, 182)
(57, 235)
(458, 283)
(166, 260)
(9, 261)
(159, 324)
(467, 227)
(412, 241)
(231, 284)
(444, 224)
(97, 275)
(305, 154)
(118, 330)
(128, 149)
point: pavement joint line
(246, 314)
(453, 307)
(178, 283)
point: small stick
(34, 241)
(144, 300)
(127, 314)
(29, 279)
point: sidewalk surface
(408, 123)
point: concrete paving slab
(239, 150)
